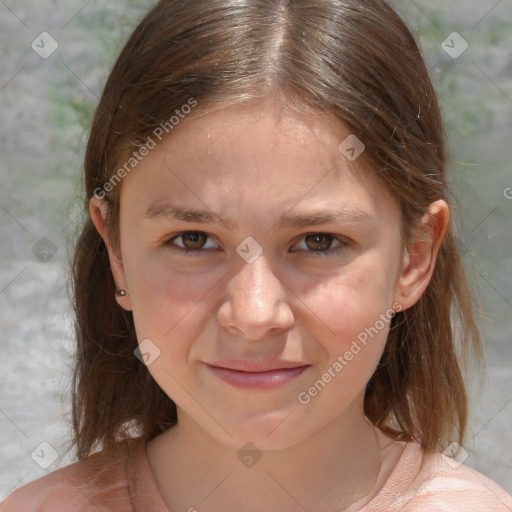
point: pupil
(194, 237)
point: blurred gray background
(46, 104)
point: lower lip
(257, 380)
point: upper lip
(254, 366)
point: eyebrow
(167, 210)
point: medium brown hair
(353, 60)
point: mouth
(251, 375)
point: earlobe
(98, 210)
(420, 256)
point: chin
(270, 432)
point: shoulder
(96, 483)
(445, 485)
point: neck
(338, 468)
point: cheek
(164, 296)
(352, 315)
(351, 319)
(353, 300)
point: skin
(252, 167)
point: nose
(256, 305)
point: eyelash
(343, 244)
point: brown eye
(321, 244)
(190, 241)
(319, 241)
(193, 240)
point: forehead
(267, 117)
(255, 132)
(244, 159)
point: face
(265, 316)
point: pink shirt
(120, 480)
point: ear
(98, 209)
(421, 253)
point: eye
(192, 241)
(316, 243)
(320, 243)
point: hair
(353, 60)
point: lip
(254, 375)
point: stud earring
(121, 293)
